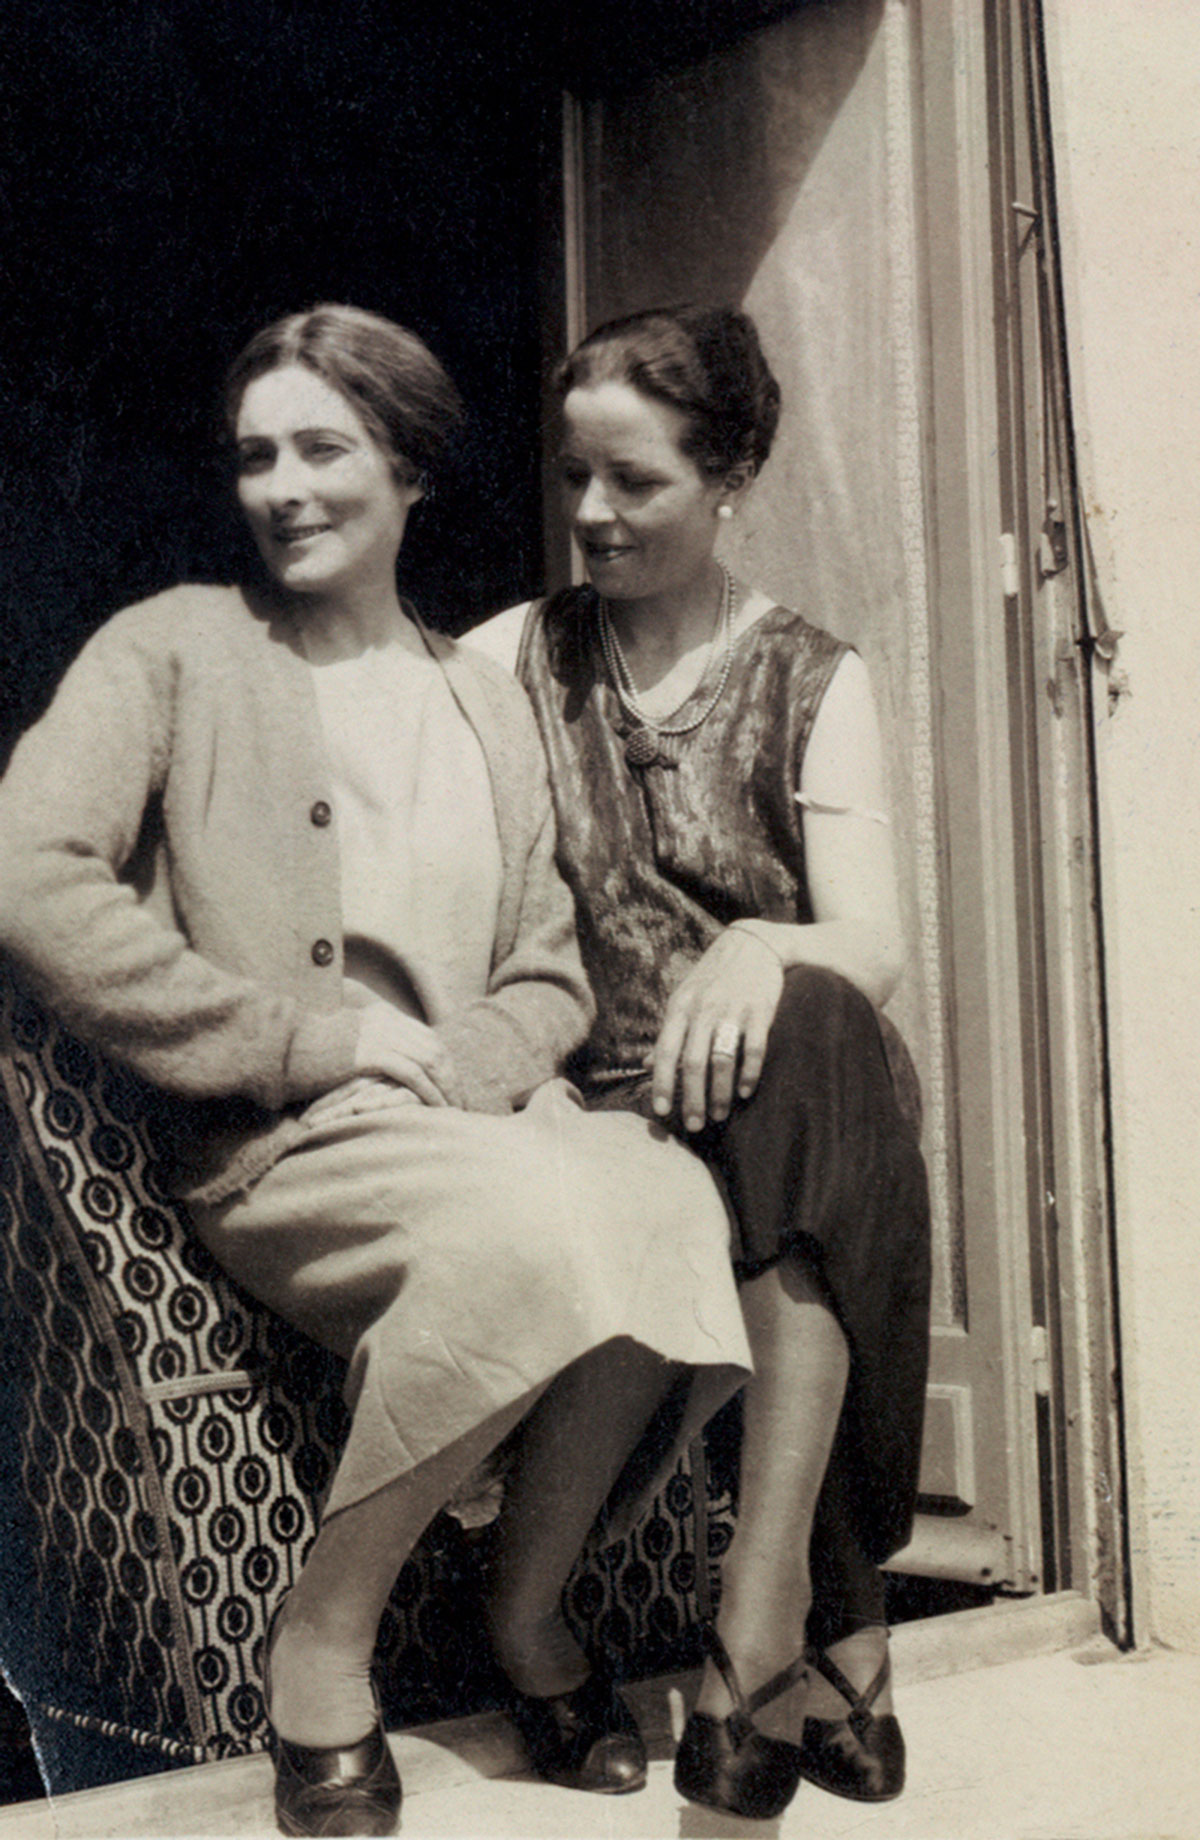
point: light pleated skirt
(459, 1261)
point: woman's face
(319, 493)
(642, 513)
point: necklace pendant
(642, 747)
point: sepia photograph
(599, 820)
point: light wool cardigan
(169, 879)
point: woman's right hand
(356, 1097)
(732, 989)
(406, 1052)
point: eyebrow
(634, 465)
(338, 434)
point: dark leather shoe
(345, 1789)
(730, 1764)
(862, 1755)
(586, 1739)
(351, 1789)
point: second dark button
(322, 952)
(321, 814)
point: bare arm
(855, 930)
(849, 858)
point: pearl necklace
(643, 744)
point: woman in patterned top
(717, 773)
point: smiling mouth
(605, 552)
(298, 533)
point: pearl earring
(724, 511)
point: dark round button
(321, 814)
(322, 952)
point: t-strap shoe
(585, 1739)
(342, 1789)
(861, 1756)
(728, 1763)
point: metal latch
(1052, 544)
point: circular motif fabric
(176, 1441)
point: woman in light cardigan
(290, 858)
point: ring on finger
(725, 1042)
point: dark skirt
(823, 1163)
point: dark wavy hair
(387, 374)
(706, 362)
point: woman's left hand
(719, 1015)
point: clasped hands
(712, 1043)
(714, 1035)
(398, 1060)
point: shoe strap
(778, 1683)
(718, 1653)
(860, 1704)
(744, 1706)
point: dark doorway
(176, 174)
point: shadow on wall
(699, 170)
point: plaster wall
(1127, 146)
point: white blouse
(416, 828)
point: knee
(822, 1012)
(827, 1048)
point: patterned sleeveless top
(660, 859)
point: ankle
(781, 1717)
(319, 1691)
(537, 1651)
(859, 1655)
